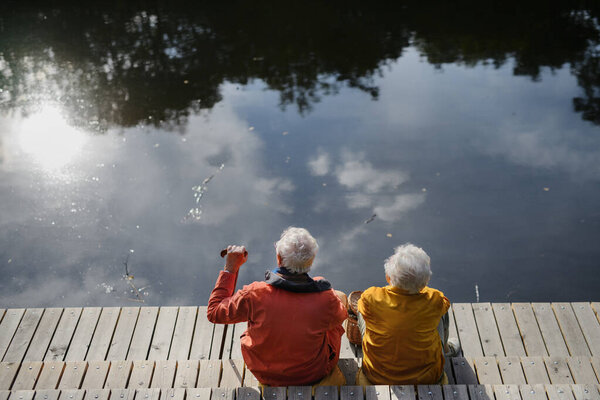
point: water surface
(154, 135)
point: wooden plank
(248, 393)
(535, 370)
(43, 335)
(481, 392)
(329, 393)
(22, 395)
(452, 331)
(346, 348)
(507, 392)
(122, 394)
(551, 333)
(164, 374)
(210, 373)
(50, 376)
(27, 376)
(455, 392)
(488, 331)
(274, 393)
(596, 366)
(83, 334)
(299, 392)
(596, 308)
(23, 335)
(589, 326)
(173, 394)
(202, 340)
(141, 374)
(585, 392)
(376, 392)
(228, 342)
(147, 394)
(8, 373)
(559, 392)
(487, 370)
(217, 341)
(123, 333)
(48, 394)
(509, 331)
(233, 373)
(249, 378)
(63, 334)
(429, 392)
(464, 372)
(8, 327)
(449, 372)
(118, 374)
(558, 370)
(97, 394)
(581, 370)
(569, 326)
(72, 394)
(222, 394)
(402, 392)
(163, 333)
(352, 393)
(72, 375)
(530, 331)
(236, 347)
(467, 330)
(4, 394)
(349, 368)
(103, 334)
(95, 375)
(142, 336)
(533, 392)
(187, 373)
(511, 370)
(197, 393)
(184, 331)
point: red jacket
(292, 338)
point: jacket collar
(301, 283)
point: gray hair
(297, 249)
(409, 268)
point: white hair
(408, 268)
(297, 249)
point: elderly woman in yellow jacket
(404, 325)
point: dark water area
(153, 134)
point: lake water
(154, 135)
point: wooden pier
(518, 351)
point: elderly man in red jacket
(294, 321)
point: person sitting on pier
(402, 324)
(294, 321)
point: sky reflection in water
(492, 174)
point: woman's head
(296, 249)
(408, 268)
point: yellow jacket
(401, 344)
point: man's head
(409, 268)
(296, 249)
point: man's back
(293, 338)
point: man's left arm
(225, 307)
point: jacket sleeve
(224, 307)
(339, 312)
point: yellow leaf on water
(389, 235)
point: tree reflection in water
(115, 64)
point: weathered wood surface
(179, 333)
(522, 344)
(420, 392)
(143, 374)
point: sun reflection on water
(48, 138)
